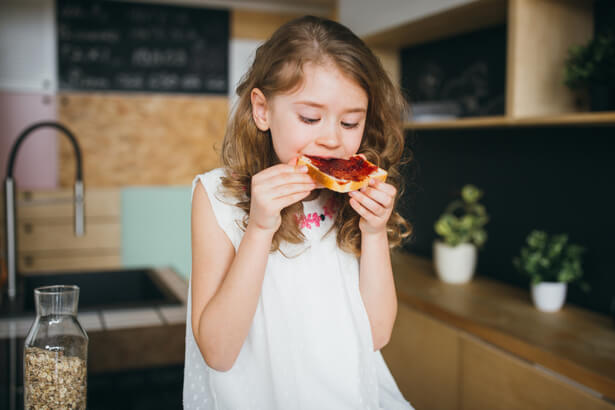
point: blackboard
(461, 76)
(122, 46)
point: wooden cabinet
(423, 357)
(437, 366)
(45, 231)
(496, 380)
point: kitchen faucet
(9, 198)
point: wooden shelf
(458, 20)
(573, 342)
(535, 94)
(575, 119)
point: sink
(109, 289)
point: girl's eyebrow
(317, 105)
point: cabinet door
(45, 232)
(423, 358)
(493, 379)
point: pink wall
(36, 164)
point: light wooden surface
(573, 342)
(495, 380)
(539, 36)
(468, 17)
(423, 358)
(257, 25)
(576, 119)
(45, 231)
(40, 204)
(59, 235)
(390, 61)
(82, 259)
(141, 139)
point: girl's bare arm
(375, 205)
(226, 285)
(377, 287)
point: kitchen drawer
(58, 234)
(69, 260)
(58, 203)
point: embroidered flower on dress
(329, 210)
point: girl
(291, 293)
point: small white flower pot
(455, 264)
(549, 296)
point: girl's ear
(259, 109)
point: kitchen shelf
(457, 20)
(574, 119)
(535, 94)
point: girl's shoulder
(212, 181)
(227, 214)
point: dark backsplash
(558, 179)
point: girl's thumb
(293, 161)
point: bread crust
(336, 184)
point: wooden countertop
(573, 342)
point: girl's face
(324, 117)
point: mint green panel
(156, 227)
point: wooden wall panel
(141, 139)
(539, 36)
(257, 25)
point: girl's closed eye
(350, 125)
(308, 120)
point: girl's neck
(315, 194)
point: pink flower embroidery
(306, 221)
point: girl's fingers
(278, 170)
(282, 180)
(382, 186)
(361, 210)
(289, 189)
(383, 199)
(368, 203)
(288, 200)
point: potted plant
(591, 68)
(461, 227)
(551, 263)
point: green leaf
(471, 194)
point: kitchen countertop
(111, 319)
(573, 342)
(120, 340)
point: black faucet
(9, 197)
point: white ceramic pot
(455, 264)
(549, 296)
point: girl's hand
(275, 188)
(375, 204)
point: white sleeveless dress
(310, 345)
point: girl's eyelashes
(309, 120)
(347, 125)
(350, 125)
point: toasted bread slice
(352, 174)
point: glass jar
(55, 352)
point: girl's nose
(330, 138)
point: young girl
(292, 293)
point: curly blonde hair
(278, 68)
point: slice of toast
(352, 174)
